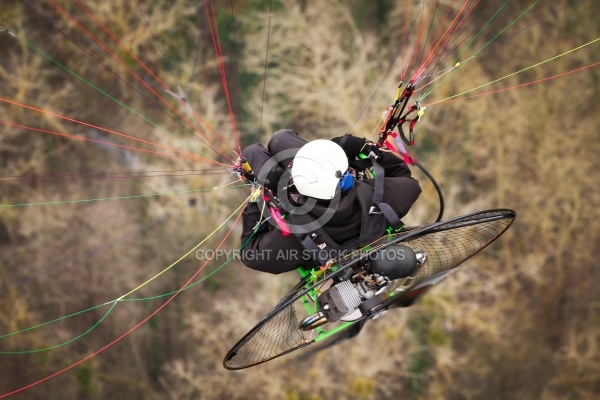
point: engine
(343, 298)
(358, 291)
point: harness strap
(306, 226)
(379, 207)
(310, 245)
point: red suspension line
(404, 39)
(73, 137)
(219, 54)
(111, 54)
(446, 37)
(124, 335)
(416, 47)
(191, 156)
(447, 100)
(440, 26)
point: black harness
(376, 216)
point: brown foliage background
(521, 320)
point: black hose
(437, 187)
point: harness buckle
(374, 210)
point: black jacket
(269, 250)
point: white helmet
(318, 167)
